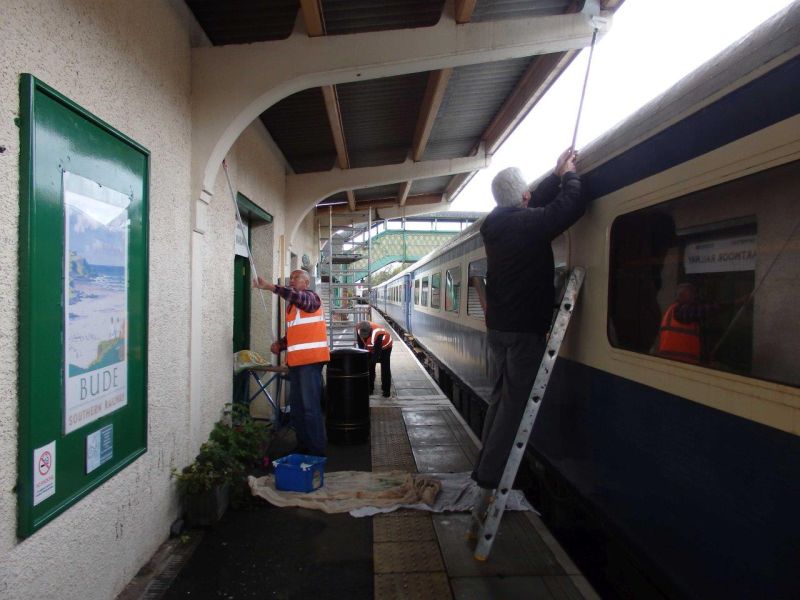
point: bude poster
(96, 226)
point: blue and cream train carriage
(692, 470)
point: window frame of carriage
(751, 220)
(434, 276)
(455, 307)
(482, 316)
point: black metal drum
(347, 389)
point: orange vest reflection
(678, 341)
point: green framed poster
(83, 246)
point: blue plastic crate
(299, 473)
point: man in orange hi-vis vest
(306, 345)
(378, 341)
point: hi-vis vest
(678, 341)
(306, 337)
(376, 331)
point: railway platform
(287, 553)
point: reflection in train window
(477, 279)
(436, 290)
(425, 287)
(452, 289)
(560, 247)
(711, 278)
(416, 291)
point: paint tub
(299, 473)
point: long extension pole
(241, 227)
(583, 91)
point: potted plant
(236, 446)
(204, 485)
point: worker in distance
(378, 341)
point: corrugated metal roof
(474, 95)
(379, 117)
(431, 185)
(352, 16)
(496, 10)
(299, 125)
(245, 21)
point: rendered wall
(128, 63)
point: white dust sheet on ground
(364, 494)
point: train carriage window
(477, 277)
(710, 278)
(416, 291)
(436, 290)
(425, 287)
(452, 289)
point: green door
(241, 303)
(241, 321)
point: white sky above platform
(652, 44)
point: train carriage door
(406, 300)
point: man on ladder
(517, 235)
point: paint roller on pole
(600, 23)
(240, 225)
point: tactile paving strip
(407, 557)
(412, 586)
(387, 458)
(403, 527)
(391, 449)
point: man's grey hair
(508, 186)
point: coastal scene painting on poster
(96, 226)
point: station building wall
(129, 63)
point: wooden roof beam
(315, 25)
(312, 15)
(536, 80)
(402, 194)
(431, 101)
(464, 10)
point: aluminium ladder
(496, 506)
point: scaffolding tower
(347, 243)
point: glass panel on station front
(711, 278)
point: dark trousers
(383, 356)
(304, 398)
(514, 358)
